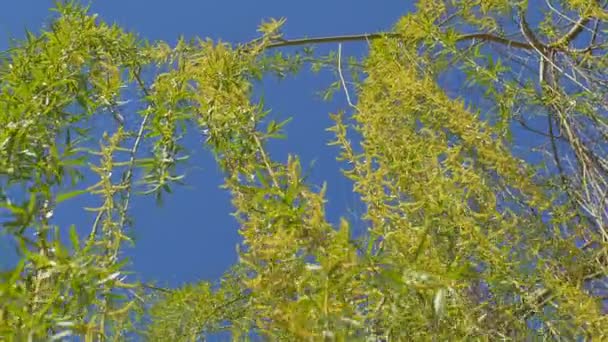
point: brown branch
(527, 127)
(572, 34)
(331, 39)
(156, 288)
(366, 37)
(223, 306)
(556, 158)
(529, 35)
(495, 39)
(592, 46)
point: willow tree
(467, 236)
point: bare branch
(342, 77)
(367, 37)
(575, 22)
(529, 35)
(576, 29)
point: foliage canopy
(466, 237)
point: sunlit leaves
(51, 84)
(463, 238)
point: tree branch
(495, 39)
(529, 35)
(366, 37)
(576, 29)
(128, 179)
(342, 78)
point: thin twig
(133, 153)
(266, 161)
(222, 306)
(555, 151)
(350, 103)
(156, 288)
(129, 174)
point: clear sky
(193, 237)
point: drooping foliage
(467, 236)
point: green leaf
(74, 238)
(67, 195)
(439, 302)
(31, 204)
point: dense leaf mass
(466, 237)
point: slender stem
(220, 307)
(129, 172)
(156, 288)
(133, 153)
(93, 232)
(266, 161)
(556, 157)
(123, 211)
(350, 103)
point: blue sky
(192, 236)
